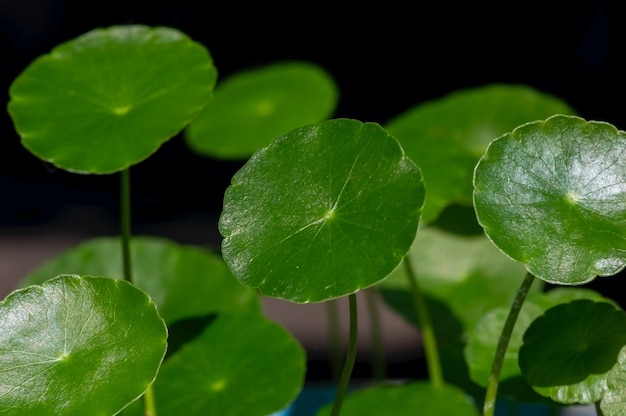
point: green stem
(149, 408)
(429, 340)
(503, 343)
(125, 223)
(350, 358)
(379, 368)
(598, 409)
(334, 335)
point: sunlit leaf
(109, 98)
(240, 365)
(447, 136)
(183, 280)
(552, 195)
(252, 107)
(321, 212)
(568, 351)
(77, 346)
(613, 401)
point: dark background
(385, 58)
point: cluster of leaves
(477, 194)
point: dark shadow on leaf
(459, 219)
(571, 342)
(518, 389)
(186, 330)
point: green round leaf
(321, 212)
(483, 339)
(240, 365)
(77, 346)
(109, 98)
(552, 195)
(569, 350)
(252, 107)
(406, 399)
(184, 281)
(447, 136)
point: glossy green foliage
(252, 107)
(447, 136)
(405, 400)
(483, 340)
(240, 365)
(66, 348)
(322, 212)
(184, 281)
(189, 284)
(568, 352)
(613, 402)
(109, 98)
(552, 195)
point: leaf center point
(572, 198)
(265, 108)
(218, 385)
(123, 110)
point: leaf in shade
(466, 273)
(568, 351)
(483, 340)
(240, 365)
(406, 399)
(252, 107)
(183, 280)
(447, 136)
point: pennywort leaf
(322, 212)
(76, 346)
(446, 136)
(552, 195)
(109, 98)
(568, 351)
(252, 107)
(240, 365)
(404, 399)
(183, 280)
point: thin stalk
(379, 365)
(429, 340)
(149, 405)
(350, 358)
(149, 408)
(334, 336)
(125, 223)
(494, 377)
